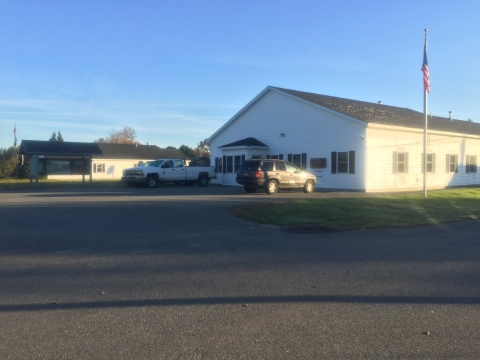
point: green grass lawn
(369, 211)
(8, 184)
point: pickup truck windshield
(155, 163)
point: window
(238, 162)
(281, 166)
(229, 164)
(256, 156)
(178, 163)
(167, 164)
(98, 168)
(400, 162)
(275, 157)
(218, 165)
(267, 166)
(452, 163)
(430, 163)
(299, 160)
(250, 165)
(471, 164)
(343, 162)
(292, 168)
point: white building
(75, 160)
(348, 144)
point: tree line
(128, 135)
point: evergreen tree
(59, 136)
(53, 137)
(187, 150)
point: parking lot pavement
(167, 273)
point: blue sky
(178, 70)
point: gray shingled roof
(385, 114)
(245, 142)
(97, 150)
(127, 151)
(35, 147)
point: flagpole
(425, 112)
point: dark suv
(272, 175)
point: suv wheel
(308, 187)
(271, 188)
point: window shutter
(433, 163)
(224, 165)
(280, 156)
(448, 163)
(289, 157)
(456, 163)
(304, 161)
(243, 158)
(394, 162)
(94, 167)
(406, 163)
(334, 162)
(216, 165)
(467, 167)
(351, 162)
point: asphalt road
(167, 273)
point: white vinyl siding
(381, 143)
(274, 114)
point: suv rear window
(250, 165)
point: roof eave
(243, 147)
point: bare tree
(125, 136)
(203, 149)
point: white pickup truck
(168, 171)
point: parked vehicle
(168, 171)
(272, 175)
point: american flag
(426, 76)
(15, 134)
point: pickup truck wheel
(249, 189)
(152, 181)
(308, 187)
(202, 181)
(271, 188)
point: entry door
(294, 175)
(180, 172)
(283, 175)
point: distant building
(59, 160)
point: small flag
(426, 75)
